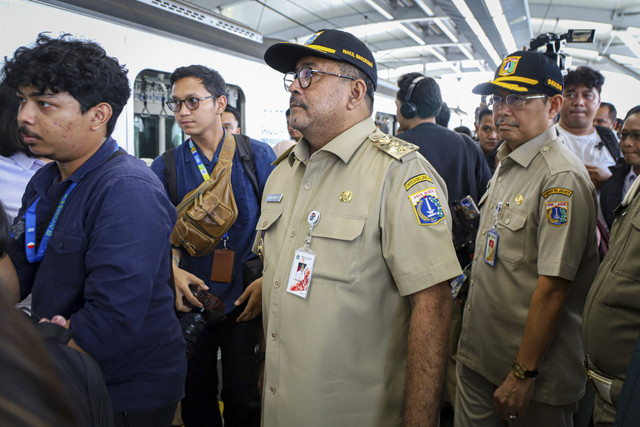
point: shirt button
(307, 185)
(293, 233)
(484, 232)
(276, 284)
(507, 221)
(264, 223)
(274, 336)
(500, 179)
(545, 148)
(272, 389)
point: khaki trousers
(474, 406)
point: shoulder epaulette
(395, 147)
(283, 156)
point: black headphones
(408, 109)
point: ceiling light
(475, 27)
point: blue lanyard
(30, 225)
(198, 159)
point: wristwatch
(520, 372)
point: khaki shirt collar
(343, 145)
(524, 154)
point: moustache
(293, 102)
(507, 122)
(26, 132)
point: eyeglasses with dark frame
(192, 103)
(304, 77)
(513, 100)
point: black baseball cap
(331, 44)
(525, 72)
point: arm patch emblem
(557, 213)
(557, 190)
(427, 207)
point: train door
(155, 128)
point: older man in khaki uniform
(520, 348)
(356, 238)
(612, 312)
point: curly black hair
(584, 76)
(10, 137)
(65, 64)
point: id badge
(222, 266)
(301, 270)
(491, 249)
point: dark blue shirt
(107, 269)
(242, 232)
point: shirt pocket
(512, 240)
(66, 252)
(267, 222)
(628, 263)
(337, 242)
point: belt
(599, 382)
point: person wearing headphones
(418, 103)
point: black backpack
(243, 149)
(80, 375)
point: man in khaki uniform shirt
(612, 312)
(535, 259)
(363, 342)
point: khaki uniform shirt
(546, 227)
(612, 312)
(338, 357)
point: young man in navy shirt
(91, 240)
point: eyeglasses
(513, 100)
(304, 77)
(634, 135)
(191, 103)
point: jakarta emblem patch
(557, 213)
(427, 206)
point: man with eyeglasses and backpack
(520, 351)
(226, 267)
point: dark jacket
(611, 191)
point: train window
(155, 128)
(386, 122)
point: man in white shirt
(596, 146)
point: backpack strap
(171, 175)
(610, 141)
(243, 147)
(55, 331)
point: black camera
(555, 42)
(194, 322)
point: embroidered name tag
(557, 190)
(416, 179)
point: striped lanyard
(196, 157)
